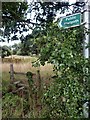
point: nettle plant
(64, 49)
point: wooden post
(21, 94)
(39, 82)
(11, 73)
(39, 94)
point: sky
(17, 41)
(71, 1)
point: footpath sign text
(70, 21)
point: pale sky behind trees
(17, 41)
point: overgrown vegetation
(66, 91)
(65, 95)
(64, 49)
(10, 99)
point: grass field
(25, 65)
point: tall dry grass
(26, 65)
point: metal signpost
(86, 19)
(70, 21)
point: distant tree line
(5, 51)
(23, 48)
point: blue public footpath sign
(70, 21)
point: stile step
(16, 82)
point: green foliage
(56, 45)
(16, 49)
(64, 99)
(5, 51)
(12, 14)
(11, 105)
(13, 11)
(64, 49)
(28, 47)
(29, 76)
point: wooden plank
(15, 91)
(23, 85)
(16, 82)
(19, 73)
(21, 88)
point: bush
(64, 49)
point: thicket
(64, 49)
